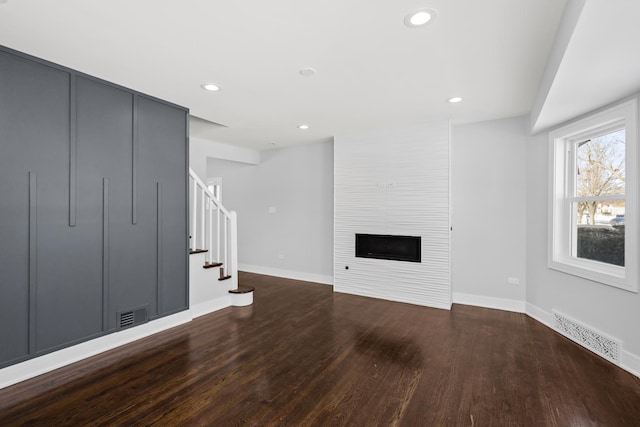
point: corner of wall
(570, 17)
(628, 361)
(505, 304)
(287, 274)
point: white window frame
(561, 216)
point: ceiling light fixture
(454, 100)
(307, 72)
(303, 127)
(420, 18)
(210, 87)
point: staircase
(214, 234)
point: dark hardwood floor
(302, 355)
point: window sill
(595, 271)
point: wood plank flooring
(304, 356)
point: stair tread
(212, 265)
(224, 277)
(242, 290)
(197, 251)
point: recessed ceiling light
(307, 72)
(454, 100)
(210, 87)
(303, 127)
(419, 18)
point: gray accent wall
(93, 208)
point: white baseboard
(32, 368)
(540, 315)
(40, 365)
(489, 302)
(210, 306)
(628, 361)
(395, 298)
(287, 274)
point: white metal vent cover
(587, 337)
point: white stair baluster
(202, 213)
(232, 268)
(194, 222)
(210, 214)
(218, 235)
(226, 226)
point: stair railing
(205, 234)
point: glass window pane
(600, 231)
(600, 165)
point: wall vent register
(134, 317)
(396, 248)
(596, 341)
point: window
(215, 186)
(594, 182)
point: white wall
(394, 182)
(201, 149)
(610, 310)
(298, 183)
(489, 213)
(206, 293)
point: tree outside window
(600, 172)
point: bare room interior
(296, 213)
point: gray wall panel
(88, 186)
(132, 255)
(104, 138)
(161, 131)
(69, 264)
(34, 135)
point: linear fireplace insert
(397, 248)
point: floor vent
(593, 340)
(132, 317)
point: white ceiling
(372, 71)
(599, 64)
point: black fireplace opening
(380, 246)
